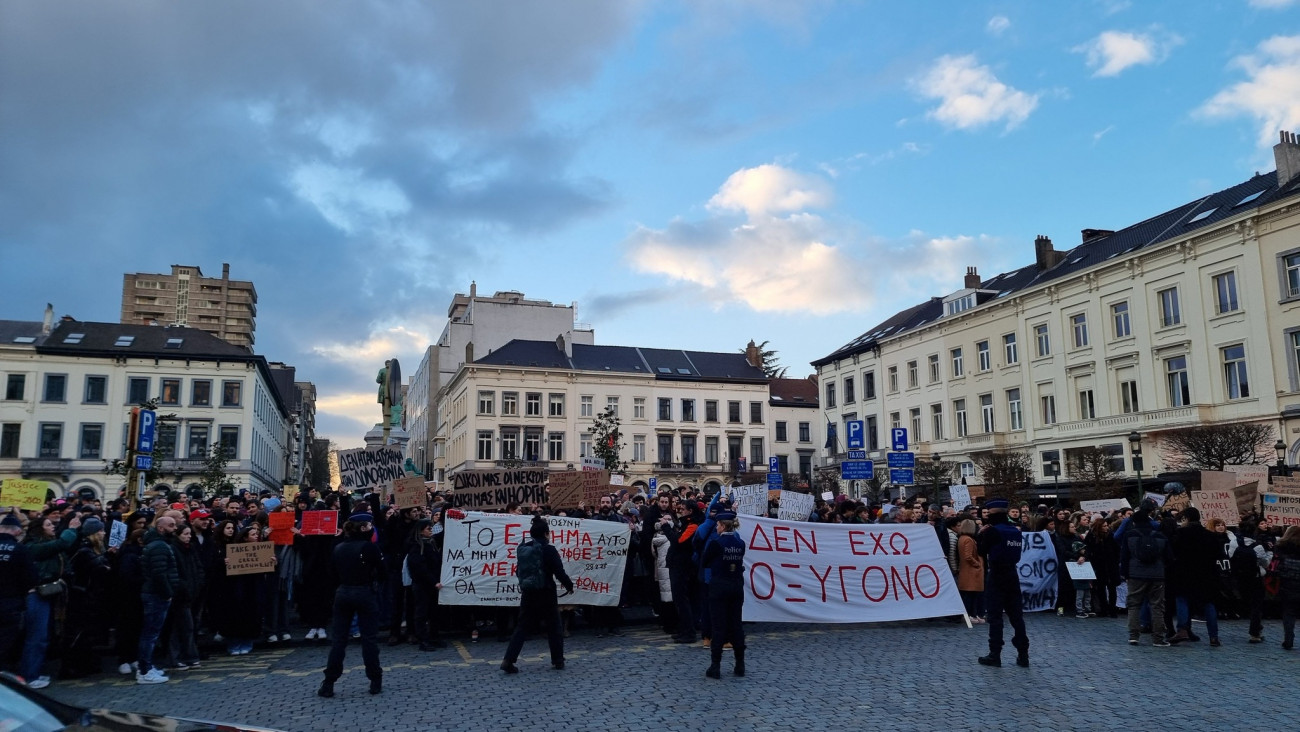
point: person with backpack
(1144, 554)
(538, 566)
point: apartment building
(221, 306)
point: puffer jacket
(158, 566)
(51, 555)
(659, 546)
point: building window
(229, 438)
(96, 390)
(913, 375)
(56, 388)
(584, 445)
(51, 441)
(688, 410)
(1234, 372)
(1048, 403)
(1179, 389)
(781, 435)
(198, 446)
(873, 436)
(587, 406)
(959, 416)
(1079, 329)
(711, 410)
(1170, 314)
(92, 439)
(665, 451)
(1291, 275)
(756, 413)
(533, 404)
(10, 435)
(982, 356)
(137, 390)
(638, 408)
(869, 385)
(933, 362)
(164, 448)
(665, 409)
(200, 393)
(958, 370)
(555, 403)
(688, 451)
(914, 416)
(1014, 410)
(1042, 340)
(805, 432)
(532, 446)
(711, 451)
(849, 396)
(171, 392)
(1009, 347)
(15, 385)
(611, 404)
(936, 421)
(638, 448)
(830, 394)
(1128, 393)
(484, 445)
(231, 393)
(555, 446)
(894, 420)
(509, 445)
(1225, 292)
(893, 379)
(509, 404)
(1087, 406)
(756, 458)
(1119, 318)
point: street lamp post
(934, 457)
(1056, 479)
(1280, 447)
(1135, 447)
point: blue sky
(692, 174)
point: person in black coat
(1196, 570)
(540, 605)
(681, 568)
(359, 569)
(86, 625)
(182, 650)
(424, 565)
(18, 576)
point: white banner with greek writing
(799, 572)
(478, 561)
(749, 500)
(795, 506)
(1037, 570)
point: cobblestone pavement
(896, 676)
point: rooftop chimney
(225, 270)
(47, 323)
(754, 355)
(473, 288)
(1287, 155)
(972, 279)
(1044, 255)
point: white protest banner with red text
(478, 560)
(800, 572)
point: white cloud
(346, 198)
(1113, 51)
(781, 258)
(1271, 94)
(381, 344)
(997, 24)
(1096, 136)
(971, 96)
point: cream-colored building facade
(1191, 317)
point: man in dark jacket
(161, 581)
(1000, 543)
(424, 565)
(540, 605)
(1144, 555)
(1196, 551)
(681, 570)
(17, 577)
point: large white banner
(799, 572)
(750, 500)
(478, 561)
(795, 506)
(1037, 570)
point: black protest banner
(482, 490)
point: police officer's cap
(997, 504)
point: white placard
(794, 506)
(116, 535)
(960, 496)
(1104, 505)
(1037, 570)
(1159, 498)
(1080, 571)
(750, 500)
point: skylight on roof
(173, 343)
(1076, 260)
(1202, 216)
(74, 338)
(25, 339)
(124, 341)
(665, 370)
(1112, 255)
(1248, 199)
(686, 372)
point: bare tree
(772, 367)
(932, 477)
(1005, 472)
(1212, 446)
(1089, 468)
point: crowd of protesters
(160, 598)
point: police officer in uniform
(724, 557)
(1000, 544)
(359, 567)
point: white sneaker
(273, 638)
(154, 676)
(217, 638)
(39, 682)
(126, 668)
(311, 634)
(320, 633)
(285, 637)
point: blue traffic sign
(898, 436)
(654, 485)
(774, 464)
(857, 470)
(854, 430)
(902, 476)
(857, 455)
(147, 421)
(775, 481)
(902, 459)
(144, 462)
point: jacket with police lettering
(17, 569)
(1000, 543)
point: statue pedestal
(397, 437)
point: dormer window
(961, 304)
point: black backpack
(529, 566)
(1150, 546)
(1244, 561)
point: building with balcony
(221, 306)
(797, 433)
(687, 417)
(1189, 317)
(69, 388)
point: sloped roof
(1204, 212)
(793, 392)
(661, 363)
(16, 332)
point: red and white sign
(800, 572)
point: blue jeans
(37, 638)
(1208, 610)
(155, 614)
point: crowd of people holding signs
(96, 585)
